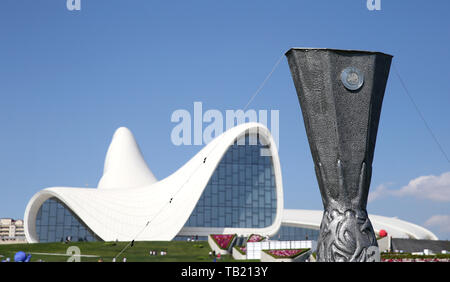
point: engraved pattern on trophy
(340, 94)
(346, 233)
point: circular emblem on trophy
(352, 78)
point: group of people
(213, 254)
(155, 253)
(193, 238)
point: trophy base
(347, 236)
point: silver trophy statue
(340, 94)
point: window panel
(241, 180)
(248, 222)
(229, 193)
(53, 210)
(235, 191)
(228, 220)
(235, 216)
(221, 221)
(262, 203)
(255, 194)
(215, 213)
(200, 219)
(267, 199)
(268, 220)
(235, 154)
(44, 230)
(60, 216)
(228, 180)
(228, 170)
(248, 200)
(221, 198)
(235, 177)
(235, 201)
(215, 200)
(207, 215)
(44, 219)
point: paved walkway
(68, 255)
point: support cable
(416, 107)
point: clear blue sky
(68, 79)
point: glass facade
(290, 233)
(241, 192)
(55, 222)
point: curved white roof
(125, 166)
(395, 227)
(129, 204)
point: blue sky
(68, 79)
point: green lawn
(176, 251)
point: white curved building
(233, 185)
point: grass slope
(176, 251)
